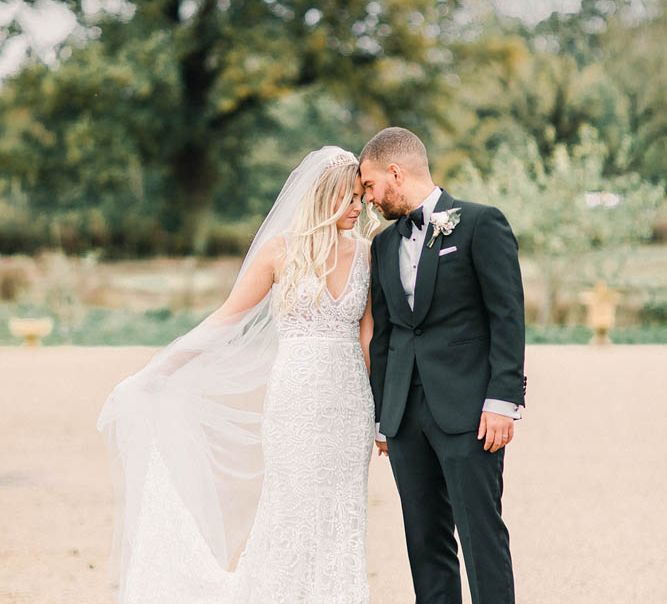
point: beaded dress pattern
(308, 541)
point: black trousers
(446, 481)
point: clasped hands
(496, 429)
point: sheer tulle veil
(199, 402)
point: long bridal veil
(198, 404)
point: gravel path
(585, 480)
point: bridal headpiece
(344, 158)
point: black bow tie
(415, 217)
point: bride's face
(351, 215)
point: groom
(447, 360)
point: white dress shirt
(409, 252)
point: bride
(241, 451)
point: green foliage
(160, 125)
(640, 335)
(547, 202)
(132, 235)
(158, 112)
(546, 98)
(567, 207)
(103, 327)
(557, 334)
(654, 312)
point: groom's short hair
(393, 144)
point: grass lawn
(105, 327)
(116, 314)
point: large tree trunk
(190, 202)
(192, 166)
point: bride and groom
(241, 450)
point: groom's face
(382, 189)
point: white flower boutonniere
(444, 222)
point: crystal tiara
(344, 158)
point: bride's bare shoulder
(273, 253)
(275, 245)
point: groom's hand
(498, 429)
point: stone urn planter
(31, 330)
(601, 306)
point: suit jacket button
(418, 332)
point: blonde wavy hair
(314, 234)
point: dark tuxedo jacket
(466, 333)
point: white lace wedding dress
(308, 541)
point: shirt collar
(430, 202)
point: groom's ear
(395, 173)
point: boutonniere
(444, 222)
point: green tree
(636, 61)
(602, 67)
(566, 209)
(167, 102)
(545, 97)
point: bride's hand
(382, 448)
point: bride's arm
(366, 323)
(257, 281)
(247, 293)
(366, 332)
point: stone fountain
(31, 330)
(601, 305)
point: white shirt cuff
(493, 405)
(378, 436)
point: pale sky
(49, 23)
(44, 26)
(533, 11)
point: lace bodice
(333, 318)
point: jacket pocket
(468, 340)
(451, 257)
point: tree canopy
(157, 121)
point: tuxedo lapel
(395, 285)
(427, 269)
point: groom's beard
(393, 205)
